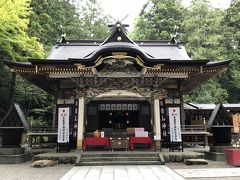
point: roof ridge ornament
(118, 32)
(173, 37)
(63, 35)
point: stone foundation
(13, 155)
(216, 153)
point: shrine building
(118, 84)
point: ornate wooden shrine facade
(117, 83)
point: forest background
(29, 28)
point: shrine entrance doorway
(119, 119)
(118, 115)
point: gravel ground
(211, 164)
(25, 172)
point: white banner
(63, 125)
(175, 126)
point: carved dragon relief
(113, 65)
(129, 84)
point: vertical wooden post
(157, 127)
(54, 120)
(182, 108)
(152, 116)
(80, 122)
(54, 111)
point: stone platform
(216, 153)
(13, 155)
(92, 158)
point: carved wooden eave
(145, 93)
(193, 76)
(208, 71)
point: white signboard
(175, 126)
(63, 125)
(102, 134)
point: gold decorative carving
(201, 69)
(119, 55)
(94, 70)
(139, 61)
(158, 66)
(144, 70)
(98, 61)
(80, 66)
(36, 69)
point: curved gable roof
(118, 41)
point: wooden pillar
(54, 111)
(152, 116)
(182, 108)
(80, 122)
(55, 100)
(157, 127)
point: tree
(78, 20)
(14, 41)
(93, 21)
(231, 42)
(203, 34)
(15, 44)
(211, 92)
(36, 103)
(158, 19)
(5, 78)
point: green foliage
(5, 78)
(15, 44)
(23, 24)
(36, 103)
(14, 41)
(202, 31)
(157, 20)
(93, 21)
(208, 33)
(212, 92)
(231, 23)
(78, 21)
(203, 35)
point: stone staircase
(120, 158)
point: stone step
(120, 158)
(179, 157)
(195, 162)
(11, 151)
(60, 157)
(15, 159)
(105, 163)
(215, 156)
(121, 154)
